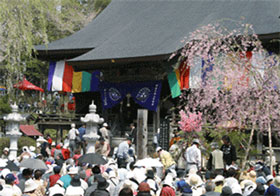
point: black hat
(150, 174)
(76, 181)
(102, 183)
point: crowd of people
(180, 173)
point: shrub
(23, 141)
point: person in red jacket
(54, 178)
(167, 189)
(65, 152)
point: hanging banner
(146, 94)
(112, 94)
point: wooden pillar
(142, 133)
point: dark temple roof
(138, 30)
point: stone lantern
(13, 120)
(92, 120)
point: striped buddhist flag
(57, 79)
(195, 73)
(174, 84)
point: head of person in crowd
(260, 189)
(150, 174)
(126, 191)
(27, 173)
(158, 150)
(82, 174)
(226, 191)
(144, 188)
(6, 151)
(75, 181)
(10, 179)
(56, 169)
(209, 186)
(218, 180)
(277, 182)
(30, 186)
(226, 139)
(73, 171)
(269, 180)
(96, 170)
(38, 174)
(214, 145)
(231, 172)
(128, 140)
(196, 142)
(102, 183)
(5, 172)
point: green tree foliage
(31, 22)
(23, 141)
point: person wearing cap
(102, 186)
(57, 189)
(5, 154)
(122, 153)
(274, 189)
(32, 151)
(72, 134)
(150, 179)
(102, 147)
(167, 160)
(182, 186)
(9, 188)
(55, 177)
(66, 179)
(229, 151)
(75, 188)
(219, 183)
(232, 182)
(216, 162)
(193, 156)
(31, 188)
(105, 132)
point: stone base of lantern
(91, 140)
(13, 144)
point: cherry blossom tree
(240, 79)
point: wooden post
(248, 149)
(142, 133)
(270, 148)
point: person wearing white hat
(66, 179)
(72, 134)
(193, 155)
(5, 154)
(57, 188)
(32, 151)
(196, 185)
(274, 189)
(30, 187)
(219, 182)
(167, 160)
(105, 132)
